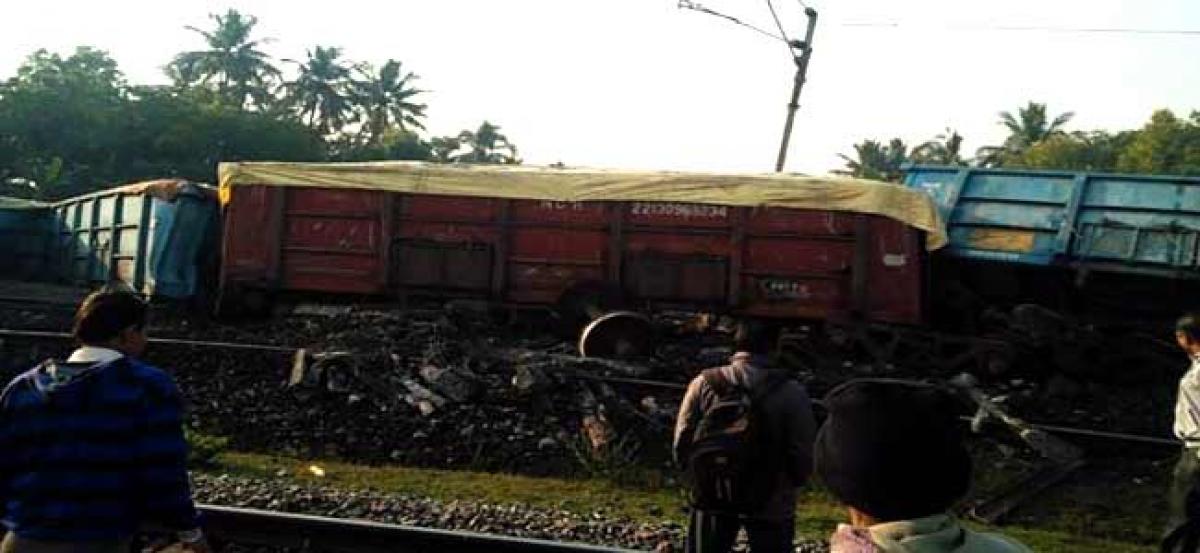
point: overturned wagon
(586, 241)
(1082, 243)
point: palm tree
(944, 149)
(321, 92)
(385, 97)
(242, 72)
(443, 148)
(1028, 127)
(875, 160)
(487, 146)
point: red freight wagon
(529, 235)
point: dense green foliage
(72, 123)
(1166, 145)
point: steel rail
(168, 341)
(1051, 428)
(318, 533)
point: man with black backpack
(744, 436)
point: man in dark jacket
(93, 447)
(789, 428)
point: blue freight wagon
(26, 238)
(1094, 223)
(156, 236)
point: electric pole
(801, 60)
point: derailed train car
(1092, 245)
(25, 231)
(156, 236)
(757, 245)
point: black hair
(753, 337)
(105, 314)
(892, 449)
(1189, 325)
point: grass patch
(817, 514)
(1122, 499)
(583, 496)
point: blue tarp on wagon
(155, 236)
(1139, 224)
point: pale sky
(643, 84)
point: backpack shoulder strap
(769, 385)
(716, 379)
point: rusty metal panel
(316, 271)
(245, 250)
(558, 245)
(447, 266)
(332, 240)
(788, 255)
(545, 261)
(448, 232)
(808, 269)
(446, 242)
(677, 252)
(897, 279)
(449, 208)
(341, 234)
(789, 263)
(675, 278)
(590, 214)
(544, 283)
(679, 242)
(678, 215)
(795, 297)
(774, 220)
(305, 239)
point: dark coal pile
(513, 520)
(448, 387)
(428, 389)
(457, 386)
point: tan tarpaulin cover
(911, 207)
(167, 189)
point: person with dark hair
(744, 436)
(93, 447)
(1187, 422)
(893, 453)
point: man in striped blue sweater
(92, 448)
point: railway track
(295, 532)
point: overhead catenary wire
(779, 25)
(1033, 28)
(689, 5)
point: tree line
(71, 124)
(1167, 145)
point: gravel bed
(513, 520)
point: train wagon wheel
(584, 302)
(618, 335)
